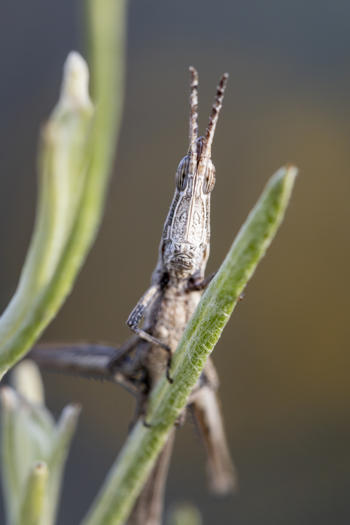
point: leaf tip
(40, 469)
(75, 85)
(69, 416)
(291, 170)
(290, 174)
(8, 398)
(283, 182)
(26, 379)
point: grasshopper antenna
(214, 115)
(193, 131)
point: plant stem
(132, 467)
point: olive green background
(284, 357)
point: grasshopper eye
(209, 182)
(181, 175)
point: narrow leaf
(31, 512)
(56, 460)
(76, 155)
(130, 470)
(30, 435)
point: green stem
(130, 470)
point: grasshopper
(165, 309)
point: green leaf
(34, 450)
(31, 512)
(62, 177)
(76, 153)
(60, 444)
(130, 470)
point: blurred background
(284, 357)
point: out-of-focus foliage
(33, 450)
